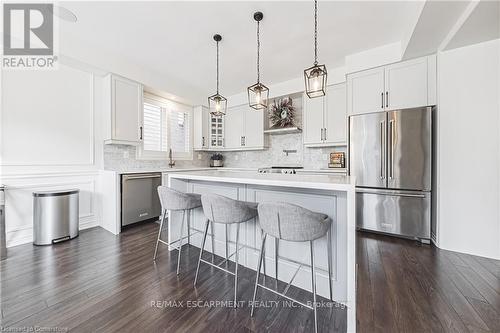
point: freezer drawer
(403, 213)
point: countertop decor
(282, 113)
(216, 160)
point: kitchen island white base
(331, 195)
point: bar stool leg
(259, 265)
(201, 251)
(329, 247)
(262, 235)
(189, 226)
(313, 281)
(213, 241)
(236, 257)
(159, 233)
(180, 242)
(226, 237)
(276, 252)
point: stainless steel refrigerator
(390, 155)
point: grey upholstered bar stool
(293, 223)
(171, 199)
(220, 209)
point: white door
(365, 91)
(406, 84)
(200, 127)
(336, 114)
(234, 127)
(127, 110)
(313, 119)
(254, 128)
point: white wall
(469, 150)
(50, 135)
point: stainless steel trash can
(55, 216)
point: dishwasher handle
(141, 177)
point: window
(166, 126)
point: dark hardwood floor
(100, 282)
(407, 287)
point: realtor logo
(28, 36)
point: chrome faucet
(171, 162)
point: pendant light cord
(217, 68)
(258, 51)
(315, 32)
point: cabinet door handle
(140, 133)
(325, 134)
(387, 99)
(203, 141)
(382, 95)
(321, 134)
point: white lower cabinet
(325, 118)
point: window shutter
(155, 128)
(179, 131)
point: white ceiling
(173, 40)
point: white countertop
(315, 181)
(168, 170)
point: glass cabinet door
(216, 131)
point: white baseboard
(24, 236)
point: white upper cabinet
(123, 111)
(244, 128)
(406, 84)
(336, 115)
(254, 128)
(365, 91)
(234, 127)
(313, 119)
(401, 85)
(201, 122)
(325, 118)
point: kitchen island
(333, 195)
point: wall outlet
(324, 157)
(126, 154)
(236, 157)
(199, 156)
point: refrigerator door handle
(382, 149)
(391, 148)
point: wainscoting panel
(19, 201)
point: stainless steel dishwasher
(140, 200)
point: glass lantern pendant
(258, 94)
(315, 76)
(217, 104)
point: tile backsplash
(123, 158)
(309, 158)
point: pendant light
(258, 94)
(315, 76)
(217, 104)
